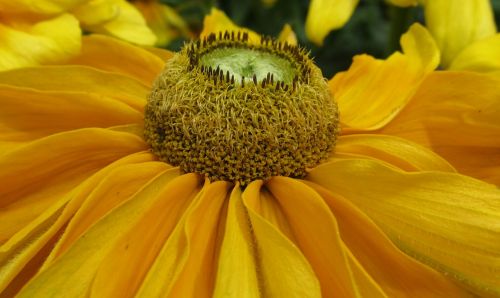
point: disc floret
(238, 111)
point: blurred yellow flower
(165, 22)
(464, 31)
(90, 211)
(48, 31)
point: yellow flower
(472, 43)
(88, 210)
(165, 22)
(48, 31)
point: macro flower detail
(245, 112)
(93, 211)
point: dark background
(374, 28)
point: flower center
(238, 111)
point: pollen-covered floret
(209, 120)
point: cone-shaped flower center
(237, 111)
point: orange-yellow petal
(395, 273)
(188, 257)
(456, 24)
(32, 205)
(326, 15)
(119, 57)
(47, 41)
(30, 114)
(283, 269)
(480, 56)
(218, 21)
(83, 80)
(72, 273)
(456, 115)
(317, 235)
(126, 265)
(117, 18)
(237, 254)
(39, 7)
(372, 92)
(448, 221)
(398, 152)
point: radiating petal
(41, 214)
(372, 92)
(480, 56)
(217, 21)
(237, 254)
(317, 235)
(125, 266)
(283, 269)
(119, 57)
(47, 41)
(326, 15)
(126, 21)
(189, 256)
(29, 114)
(393, 271)
(448, 221)
(456, 24)
(287, 35)
(39, 7)
(457, 115)
(71, 273)
(160, 53)
(83, 79)
(396, 151)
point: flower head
(93, 211)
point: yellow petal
(326, 15)
(109, 54)
(462, 126)
(404, 3)
(188, 257)
(217, 21)
(480, 56)
(456, 24)
(83, 80)
(237, 254)
(71, 274)
(448, 221)
(44, 7)
(398, 152)
(317, 235)
(48, 41)
(163, 20)
(283, 269)
(125, 266)
(126, 21)
(372, 92)
(34, 114)
(287, 35)
(163, 54)
(31, 205)
(393, 271)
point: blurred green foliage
(375, 27)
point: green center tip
(246, 63)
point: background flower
(47, 31)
